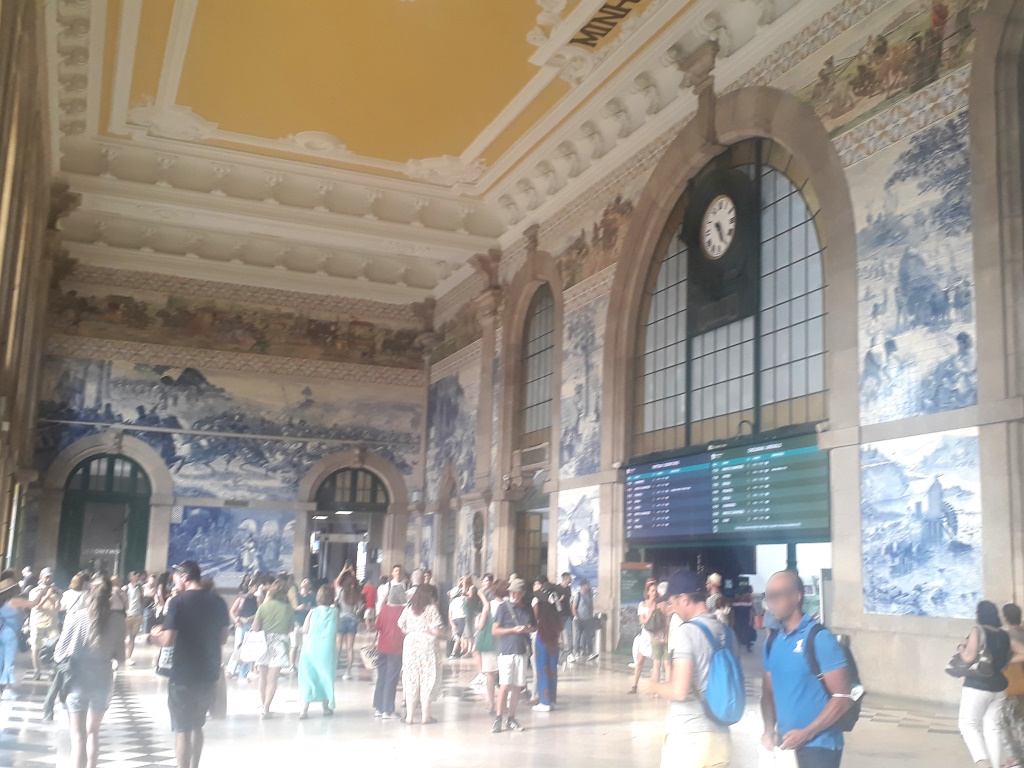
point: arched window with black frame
(731, 339)
(538, 367)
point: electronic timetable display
(775, 490)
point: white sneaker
(346, 676)
(130, 662)
(542, 708)
(570, 659)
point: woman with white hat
(11, 604)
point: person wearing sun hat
(513, 623)
(11, 604)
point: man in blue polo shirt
(798, 712)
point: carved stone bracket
(697, 69)
(487, 265)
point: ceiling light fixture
(319, 517)
(343, 512)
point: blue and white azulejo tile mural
(225, 434)
(451, 430)
(230, 542)
(579, 516)
(916, 275)
(921, 525)
(582, 350)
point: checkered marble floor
(592, 705)
(127, 738)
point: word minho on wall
(604, 21)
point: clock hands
(718, 226)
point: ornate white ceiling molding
(392, 315)
(644, 102)
(250, 267)
(446, 171)
(172, 122)
(181, 357)
(198, 169)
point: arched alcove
(396, 522)
(114, 443)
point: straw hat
(9, 587)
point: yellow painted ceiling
(391, 79)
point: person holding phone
(513, 623)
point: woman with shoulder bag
(986, 651)
(390, 640)
(274, 618)
(90, 640)
(484, 646)
(649, 614)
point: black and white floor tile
(128, 738)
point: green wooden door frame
(80, 490)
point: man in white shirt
(396, 578)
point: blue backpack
(726, 694)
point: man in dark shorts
(196, 624)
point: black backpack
(847, 722)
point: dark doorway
(348, 525)
(104, 525)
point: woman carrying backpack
(653, 635)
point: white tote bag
(253, 647)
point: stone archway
(114, 442)
(396, 524)
(756, 112)
(747, 113)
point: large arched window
(755, 374)
(538, 366)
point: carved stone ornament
(317, 141)
(175, 122)
(446, 171)
(487, 265)
(574, 64)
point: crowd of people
(516, 633)
(80, 636)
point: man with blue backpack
(706, 689)
(811, 692)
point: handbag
(253, 647)
(165, 660)
(369, 655)
(485, 638)
(981, 668)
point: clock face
(718, 227)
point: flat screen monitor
(771, 490)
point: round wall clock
(718, 227)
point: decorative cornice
(402, 315)
(135, 352)
(464, 358)
(591, 289)
(941, 99)
(640, 100)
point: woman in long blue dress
(319, 660)
(10, 621)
